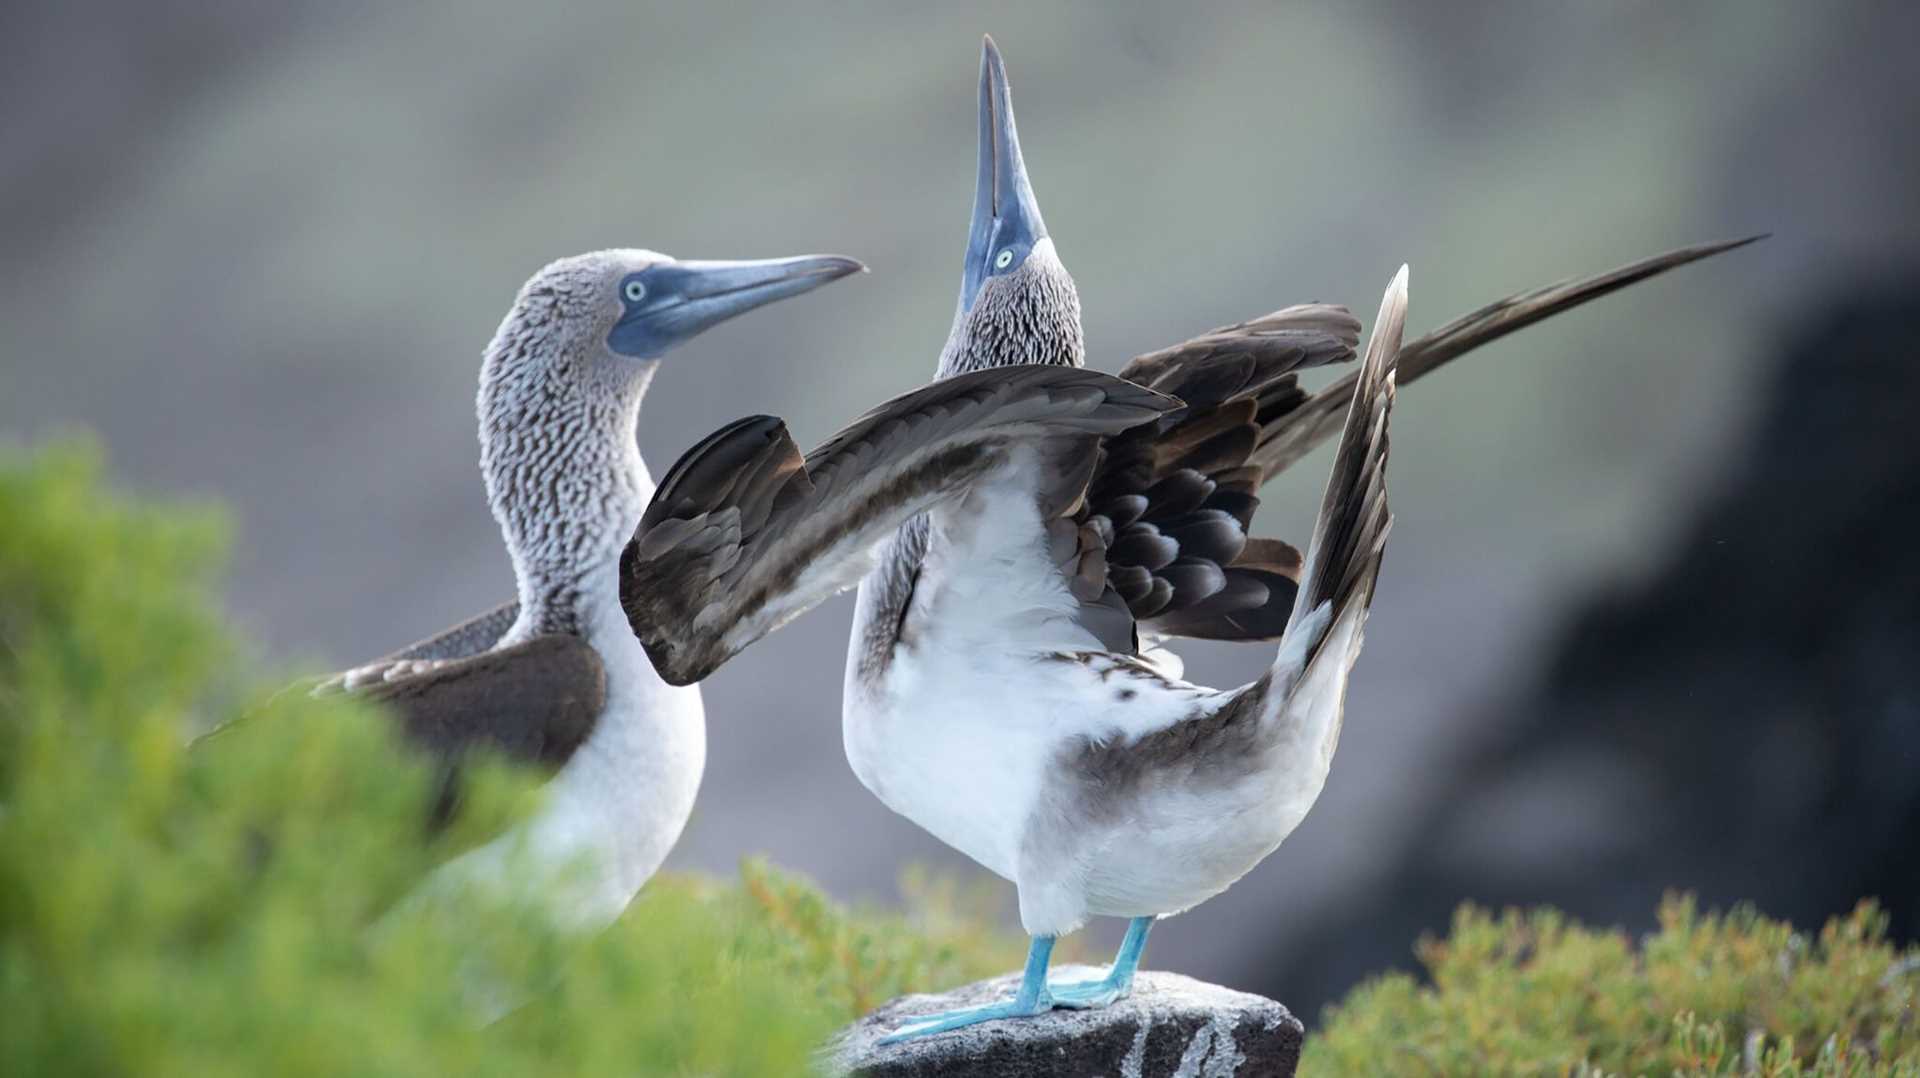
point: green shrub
(1532, 993)
(224, 909)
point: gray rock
(1170, 1026)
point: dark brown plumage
(1185, 489)
(535, 702)
(1180, 494)
(745, 534)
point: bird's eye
(1003, 259)
(635, 291)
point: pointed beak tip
(993, 69)
(842, 266)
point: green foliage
(861, 961)
(1708, 994)
(227, 908)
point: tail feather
(1294, 434)
(1349, 538)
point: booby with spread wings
(1022, 725)
(1173, 503)
(1002, 721)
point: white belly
(974, 744)
(961, 757)
(979, 728)
(623, 800)
(611, 815)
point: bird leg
(1118, 981)
(1031, 999)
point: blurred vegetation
(1707, 994)
(225, 908)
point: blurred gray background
(259, 248)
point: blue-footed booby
(997, 692)
(1000, 718)
(556, 677)
(1173, 502)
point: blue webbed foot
(1031, 999)
(1086, 995)
(927, 1025)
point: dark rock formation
(1170, 1026)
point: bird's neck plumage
(567, 485)
(563, 473)
(1031, 315)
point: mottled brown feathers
(743, 534)
(1179, 495)
(535, 702)
(1218, 374)
(1316, 420)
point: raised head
(1017, 302)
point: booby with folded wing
(556, 677)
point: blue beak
(1006, 217)
(686, 298)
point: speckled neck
(563, 473)
(1031, 315)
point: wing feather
(1181, 492)
(1221, 375)
(535, 701)
(1291, 436)
(745, 534)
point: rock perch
(1170, 1026)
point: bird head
(561, 384)
(1017, 304)
(637, 305)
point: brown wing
(534, 702)
(1174, 500)
(470, 637)
(1296, 434)
(1179, 497)
(744, 534)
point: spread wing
(745, 534)
(1320, 417)
(1174, 501)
